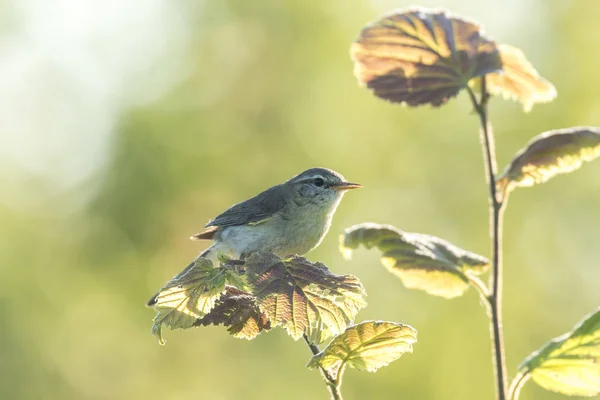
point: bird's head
(320, 186)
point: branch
(333, 384)
(496, 213)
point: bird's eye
(319, 182)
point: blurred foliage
(267, 91)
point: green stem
(338, 378)
(333, 383)
(517, 384)
(496, 214)
(480, 287)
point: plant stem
(517, 384)
(480, 287)
(496, 214)
(333, 383)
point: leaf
(569, 364)
(367, 346)
(549, 154)
(238, 311)
(420, 261)
(420, 56)
(518, 80)
(188, 297)
(303, 297)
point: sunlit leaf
(569, 364)
(421, 56)
(238, 311)
(518, 80)
(420, 261)
(549, 154)
(302, 297)
(188, 297)
(367, 346)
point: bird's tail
(208, 253)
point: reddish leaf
(421, 56)
(238, 311)
(303, 297)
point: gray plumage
(257, 208)
(290, 218)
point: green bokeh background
(263, 90)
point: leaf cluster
(293, 293)
(304, 298)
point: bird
(286, 219)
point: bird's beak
(346, 186)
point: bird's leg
(237, 265)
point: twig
(496, 213)
(333, 383)
(517, 384)
(481, 288)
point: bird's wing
(207, 233)
(253, 211)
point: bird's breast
(291, 231)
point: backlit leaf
(569, 364)
(518, 80)
(420, 261)
(420, 56)
(303, 297)
(549, 154)
(188, 297)
(238, 311)
(367, 346)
